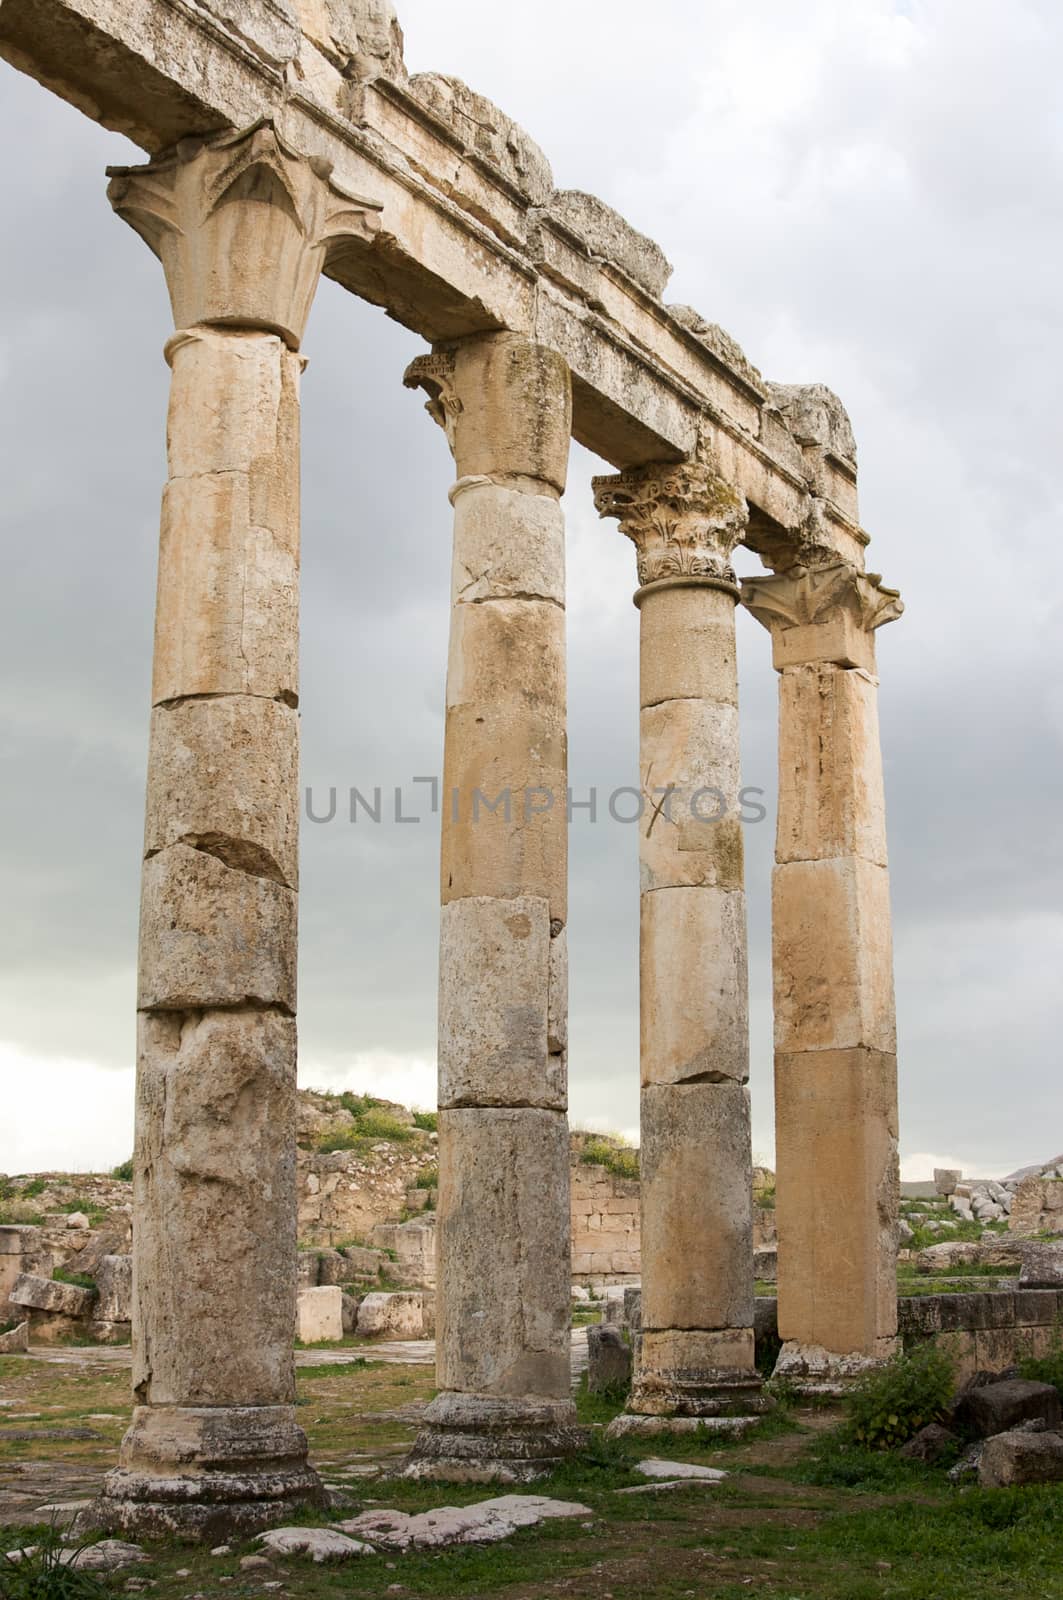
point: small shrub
(428, 1177)
(20, 1213)
(894, 1401)
(124, 1171)
(620, 1160)
(382, 1125)
(427, 1121)
(31, 1190)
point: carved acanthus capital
(684, 519)
(243, 226)
(435, 375)
(826, 613)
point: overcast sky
(864, 194)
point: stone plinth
(319, 1315)
(505, 1409)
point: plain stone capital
(683, 518)
(243, 226)
(505, 404)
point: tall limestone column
(697, 1226)
(835, 1032)
(242, 228)
(502, 1327)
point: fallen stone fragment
(1020, 1457)
(110, 1555)
(48, 1294)
(486, 1522)
(322, 1544)
(14, 1342)
(998, 1407)
(655, 1467)
(255, 1564)
(929, 1444)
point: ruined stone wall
(983, 1332)
(605, 1225)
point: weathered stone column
(242, 228)
(835, 1034)
(502, 1329)
(697, 1226)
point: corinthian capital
(435, 375)
(824, 613)
(684, 520)
(243, 226)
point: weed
(80, 1280)
(51, 1572)
(427, 1121)
(124, 1171)
(892, 1402)
(620, 1160)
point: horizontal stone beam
(469, 241)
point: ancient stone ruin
(286, 140)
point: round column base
(695, 1372)
(473, 1438)
(205, 1471)
(816, 1372)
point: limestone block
(507, 544)
(503, 1308)
(224, 777)
(832, 956)
(213, 935)
(319, 1315)
(482, 127)
(516, 409)
(831, 800)
(227, 606)
(694, 986)
(114, 1284)
(509, 652)
(946, 1179)
(690, 836)
(493, 999)
(234, 407)
(687, 646)
(1019, 1457)
(270, 27)
(15, 1340)
(320, 1544)
(667, 1352)
(697, 1229)
(607, 234)
(994, 1408)
(215, 1245)
(392, 1316)
(838, 638)
(45, 1294)
(505, 848)
(836, 1135)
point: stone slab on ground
(109, 1555)
(1020, 1457)
(629, 1423)
(320, 1544)
(656, 1467)
(485, 1522)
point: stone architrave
(696, 1356)
(243, 228)
(505, 1409)
(835, 1036)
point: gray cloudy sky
(863, 193)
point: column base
(690, 1372)
(627, 1423)
(818, 1373)
(474, 1438)
(206, 1471)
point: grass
(124, 1171)
(427, 1121)
(803, 1514)
(80, 1280)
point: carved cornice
(435, 375)
(684, 519)
(243, 226)
(805, 595)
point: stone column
(242, 228)
(502, 1330)
(696, 1169)
(835, 1034)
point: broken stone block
(114, 1285)
(929, 1444)
(319, 1315)
(1042, 1266)
(609, 1359)
(999, 1407)
(392, 1316)
(1020, 1457)
(15, 1340)
(321, 1544)
(946, 1179)
(45, 1294)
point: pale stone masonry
(696, 1162)
(288, 140)
(503, 1231)
(835, 1033)
(242, 226)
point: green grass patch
(427, 1121)
(80, 1280)
(124, 1171)
(620, 1160)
